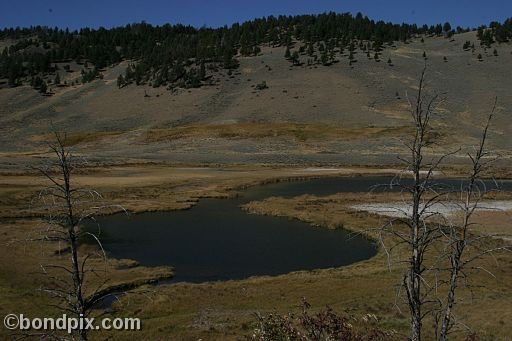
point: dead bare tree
(427, 228)
(68, 208)
(423, 193)
(458, 238)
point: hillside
(202, 182)
(341, 114)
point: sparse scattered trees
(485, 36)
(169, 50)
(502, 32)
(169, 58)
(90, 75)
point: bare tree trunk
(420, 236)
(68, 207)
(427, 228)
(412, 278)
(76, 273)
(458, 236)
(454, 276)
(413, 284)
(80, 308)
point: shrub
(324, 325)
(261, 86)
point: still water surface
(216, 240)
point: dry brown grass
(476, 297)
(76, 138)
(298, 131)
(23, 257)
(224, 310)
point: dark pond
(216, 240)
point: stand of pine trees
(178, 55)
(496, 32)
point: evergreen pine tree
(43, 88)
(447, 27)
(295, 58)
(310, 50)
(323, 58)
(120, 81)
(287, 53)
(202, 71)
